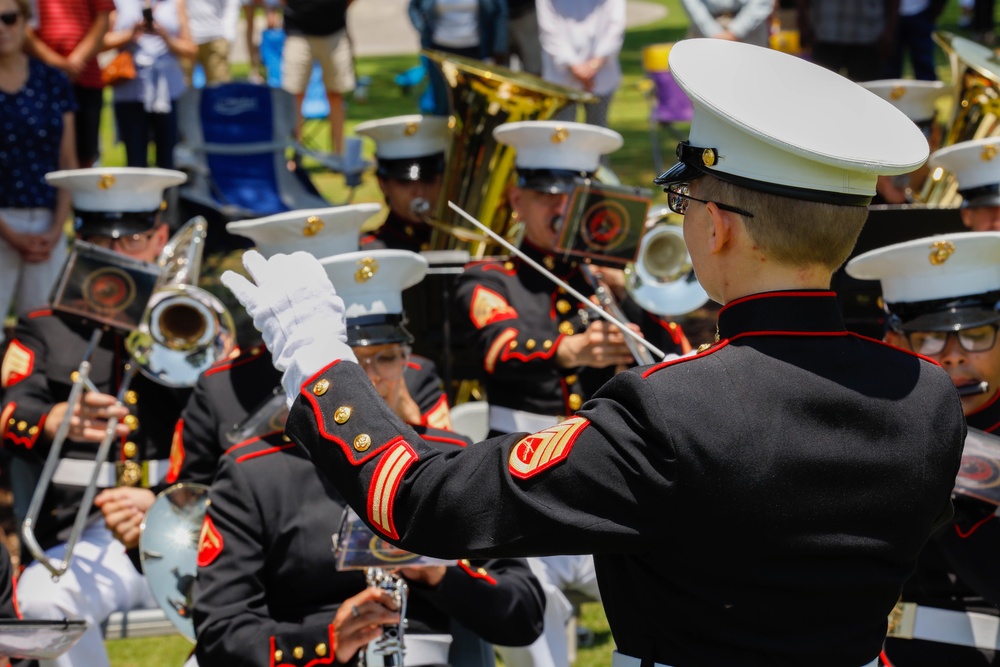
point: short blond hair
(792, 231)
(24, 7)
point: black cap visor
(113, 223)
(550, 181)
(369, 330)
(426, 168)
(945, 314)
(981, 197)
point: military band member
(976, 166)
(268, 590)
(791, 466)
(941, 295)
(918, 100)
(410, 152)
(117, 209)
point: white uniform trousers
(558, 575)
(101, 580)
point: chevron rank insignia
(17, 364)
(489, 307)
(209, 543)
(542, 450)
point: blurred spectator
(471, 28)
(36, 124)
(68, 35)
(317, 30)
(984, 21)
(917, 19)
(271, 9)
(144, 106)
(736, 20)
(213, 30)
(851, 37)
(523, 35)
(581, 44)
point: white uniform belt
(508, 420)
(960, 628)
(77, 472)
(622, 660)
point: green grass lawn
(633, 163)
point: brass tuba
(975, 77)
(483, 97)
(185, 329)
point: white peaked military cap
(916, 99)
(937, 283)
(776, 123)
(371, 283)
(976, 165)
(115, 201)
(321, 232)
(550, 154)
(408, 148)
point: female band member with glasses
(36, 126)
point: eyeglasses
(10, 18)
(388, 365)
(679, 198)
(976, 339)
(132, 243)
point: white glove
(296, 310)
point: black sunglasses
(678, 200)
(10, 18)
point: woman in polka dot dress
(36, 137)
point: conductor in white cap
(976, 166)
(940, 296)
(760, 503)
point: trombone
(184, 330)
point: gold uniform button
(482, 571)
(509, 266)
(562, 305)
(342, 414)
(130, 450)
(575, 401)
(549, 262)
(298, 652)
(530, 344)
(285, 438)
(131, 421)
(547, 344)
(704, 346)
(11, 421)
(33, 430)
(278, 655)
(465, 562)
(513, 344)
(566, 328)
(131, 397)
(362, 442)
(571, 379)
(74, 376)
(321, 387)
(22, 425)
(321, 650)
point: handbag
(122, 68)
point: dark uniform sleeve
(231, 618)
(500, 600)
(510, 345)
(575, 488)
(26, 395)
(195, 452)
(971, 543)
(427, 391)
(8, 602)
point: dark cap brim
(371, 330)
(946, 314)
(426, 168)
(113, 223)
(550, 181)
(679, 173)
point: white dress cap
(372, 282)
(975, 163)
(914, 98)
(402, 137)
(778, 123)
(116, 189)
(936, 267)
(321, 232)
(557, 145)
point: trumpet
(183, 331)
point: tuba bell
(185, 329)
(484, 96)
(975, 114)
(661, 279)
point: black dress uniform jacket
(397, 233)
(958, 571)
(518, 318)
(232, 390)
(268, 588)
(44, 352)
(759, 503)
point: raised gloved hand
(297, 312)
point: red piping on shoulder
(718, 346)
(966, 534)
(263, 452)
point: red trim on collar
(652, 369)
(238, 361)
(264, 452)
(966, 534)
(788, 333)
(250, 441)
(43, 312)
(768, 295)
